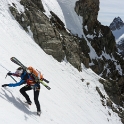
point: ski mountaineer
(28, 79)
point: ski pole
(11, 77)
(9, 71)
(4, 67)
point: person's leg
(23, 92)
(36, 95)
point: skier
(31, 83)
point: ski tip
(11, 58)
(48, 88)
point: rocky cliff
(116, 24)
(117, 28)
(50, 34)
(102, 41)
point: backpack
(34, 72)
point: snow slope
(120, 40)
(65, 11)
(118, 33)
(70, 101)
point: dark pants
(36, 94)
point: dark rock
(116, 24)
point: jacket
(24, 76)
(35, 72)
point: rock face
(117, 28)
(53, 38)
(120, 46)
(88, 9)
(50, 34)
(102, 41)
(116, 24)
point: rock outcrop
(116, 24)
(102, 42)
(117, 28)
(50, 34)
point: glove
(9, 73)
(4, 85)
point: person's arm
(13, 74)
(16, 84)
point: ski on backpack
(44, 85)
(44, 78)
(16, 61)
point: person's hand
(4, 85)
(9, 73)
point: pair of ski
(16, 61)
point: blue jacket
(23, 77)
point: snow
(119, 36)
(64, 9)
(120, 39)
(70, 101)
(118, 33)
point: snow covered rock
(116, 24)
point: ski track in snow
(70, 101)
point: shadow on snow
(17, 103)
